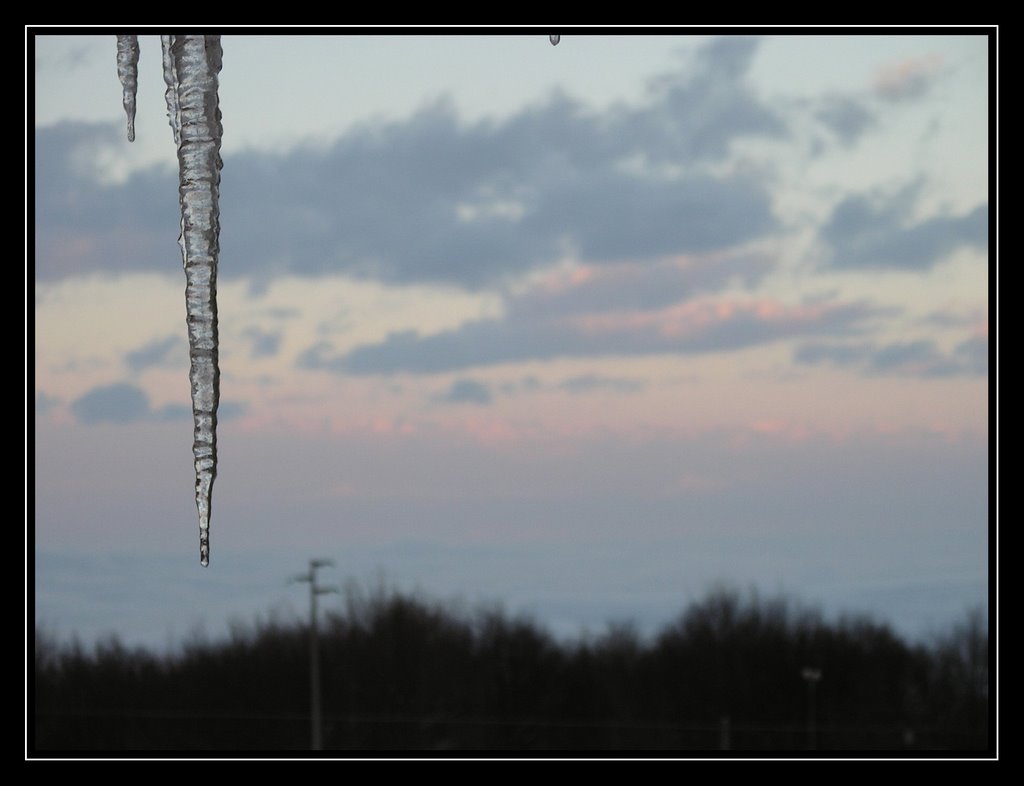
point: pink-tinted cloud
(687, 328)
(633, 286)
(694, 319)
(908, 78)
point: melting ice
(191, 64)
(128, 73)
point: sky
(581, 331)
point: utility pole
(724, 733)
(316, 740)
(811, 677)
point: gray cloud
(264, 344)
(45, 403)
(873, 234)
(123, 402)
(318, 356)
(638, 287)
(117, 403)
(549, 320)
(229, 410)
(838, 354)
(591, 382)
(944, 318)
(972, 355)
(175, 412)
(920, 358)
(905, 356)
(527, 384)
(517, 339)
(82, 226)
(467, 391)
(698, 118)
(429, 198)
(69, 60)
(159, 352)
(846, 117)
(612, 215)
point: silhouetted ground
(400, 673)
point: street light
(314, 648)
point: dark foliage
(398, 673)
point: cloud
(117, 403)
(909, 78)
(946, 317)
(846, 117)
(123, 402)
(866, 233)
(687, 328)
(229, 410)
(159, 352)
(318, 356)
(264, 344)
(527, 384)
(911, 356)
(839, 354)
(634, 286)
(83, 225)
(431, 199)
(171, 412)
(587, 383)
(597, 310)
(699, 116)
(467, 391)
(73, 58)
(972, 355)
(45, 403)
(610, 216)
(920, 358)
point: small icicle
(554, 39)
(191, 65)
(128, 73)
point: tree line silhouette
(403, 673)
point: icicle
(171, 93)
(191, 65)
(554, 39)
(128, 73)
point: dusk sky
(583, 330)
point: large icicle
(128, 73)
(191, 66)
